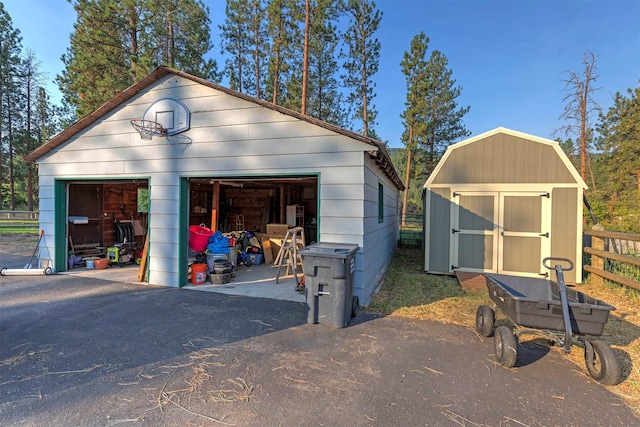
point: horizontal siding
(232, 137)
(379, 238)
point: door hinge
(543, 274)
(455, 194)
(454, 267)
(547, 195)
(544, 235)
(454, 231)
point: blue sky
(509, 57)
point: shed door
(524, 233)
(474, 242)
(500, 232)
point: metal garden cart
(548, 309)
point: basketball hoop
(148, 128)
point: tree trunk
(365, 122)
(407, 178)
(276, 72)
(305, 60)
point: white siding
(231, 136)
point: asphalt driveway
(90, 352)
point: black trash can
(328, 273)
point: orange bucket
(198, 274)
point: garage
(501, 202)
(174, 151)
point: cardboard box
(277, 230)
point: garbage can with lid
(328, 270)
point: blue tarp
(218, 244)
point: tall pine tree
(10, 49)
(414, 68)
(362, 61)
(443, 117)
(117, 42)
(283, 63)
(324, 99)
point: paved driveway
(89, 352)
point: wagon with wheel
(548, 309)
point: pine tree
(10, 49)
(324, 98)
(282, 16)
(117, 42)
(443, 117)
(31, 81)
(432, 118)
(619, 131)
(244, 39)
(96, 62)
(414, 67)
(362, 60)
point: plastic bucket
(212, 258)
(90, 263)
(198, 274)
(199, 237)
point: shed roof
(504, 156)
(378, 152)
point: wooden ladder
(288, 254)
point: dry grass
(409, 292)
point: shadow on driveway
(77, 351)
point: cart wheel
(605, 368)
(355, 306)
(485, 317)
(506, 347)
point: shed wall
(439, 230)
(564, 228)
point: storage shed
(218, 158)
(501, 202)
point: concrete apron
(254, 281)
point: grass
(411, 293)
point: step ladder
(289, 252)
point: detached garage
(501, 202)
(212, 156)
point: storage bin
(199, 237)
(256, 259)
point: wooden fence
(614, 256)
(19, 220)
(411, 230)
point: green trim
(318, 208)
(60, 225)
(380, 203)
(183, 232)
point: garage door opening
(256, 212)
(106, 219)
